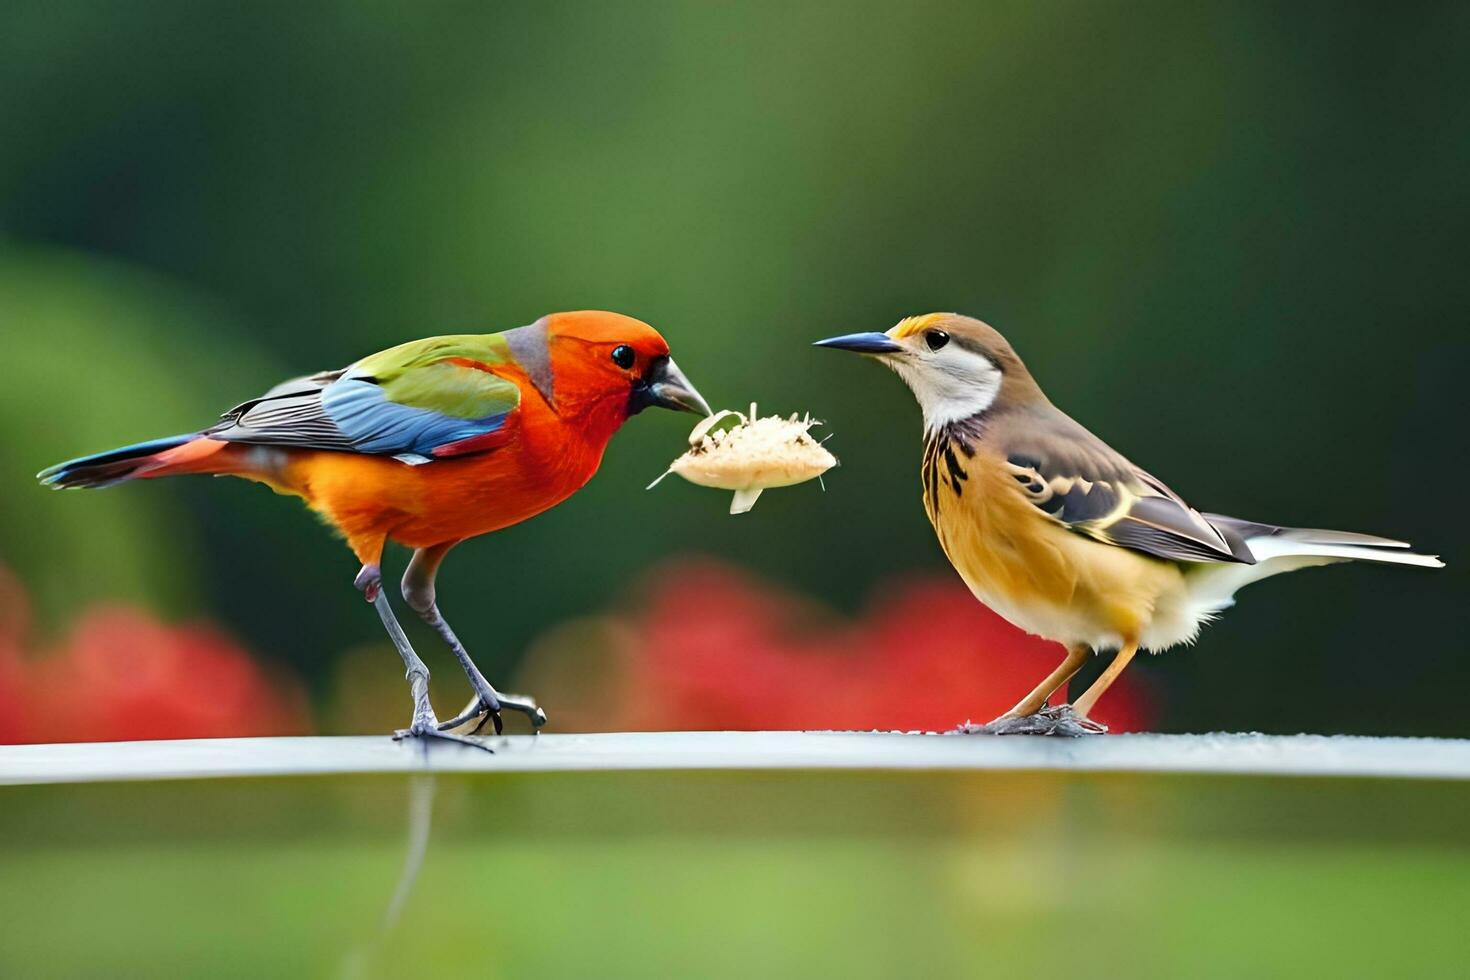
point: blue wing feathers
(375, 424)
(339, 411)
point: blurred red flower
(122, 675)
(710, 647)
(14, 625)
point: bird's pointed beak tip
(667, 387)
(696, 404)
(862, 343)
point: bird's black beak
(862, 343)
(665, 386)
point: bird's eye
(623, 356)
(936, 339)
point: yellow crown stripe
(914, 324)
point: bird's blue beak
(862, 343)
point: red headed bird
(427, 444)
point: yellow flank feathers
(1035, 572)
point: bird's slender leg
(418, 592)
(424, 725)
(1083, 705)
(1032, 715)
(1033, 702)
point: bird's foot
(431, 732)
(487, 707)
(1060, 720)
(427, 728)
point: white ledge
(1276, 755)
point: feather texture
(434, 397)
(427, 443)
(1077, 480)
(1059, 533)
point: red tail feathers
(146, 460)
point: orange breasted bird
(1058, 532)
(427, 444)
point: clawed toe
(1060, 720)
(478, 708)
(430, 732)
(526, 706)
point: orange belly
(375, 498)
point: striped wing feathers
(1081, 482)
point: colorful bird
(427, 444)
(1061, 535)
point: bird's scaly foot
(430, 732)
(426, 726)
(490, 705)
(1060, 720)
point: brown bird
(1058, 532)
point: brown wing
(1079, 481)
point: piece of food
(752, 455)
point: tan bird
(1059, 533)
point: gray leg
(418, 592)
(424, 724)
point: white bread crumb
(753, 455)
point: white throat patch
(951, 384)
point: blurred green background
(794, 874)
(1229, 238)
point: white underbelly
(1178, 615)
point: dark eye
(936, 339)
(623, 356)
